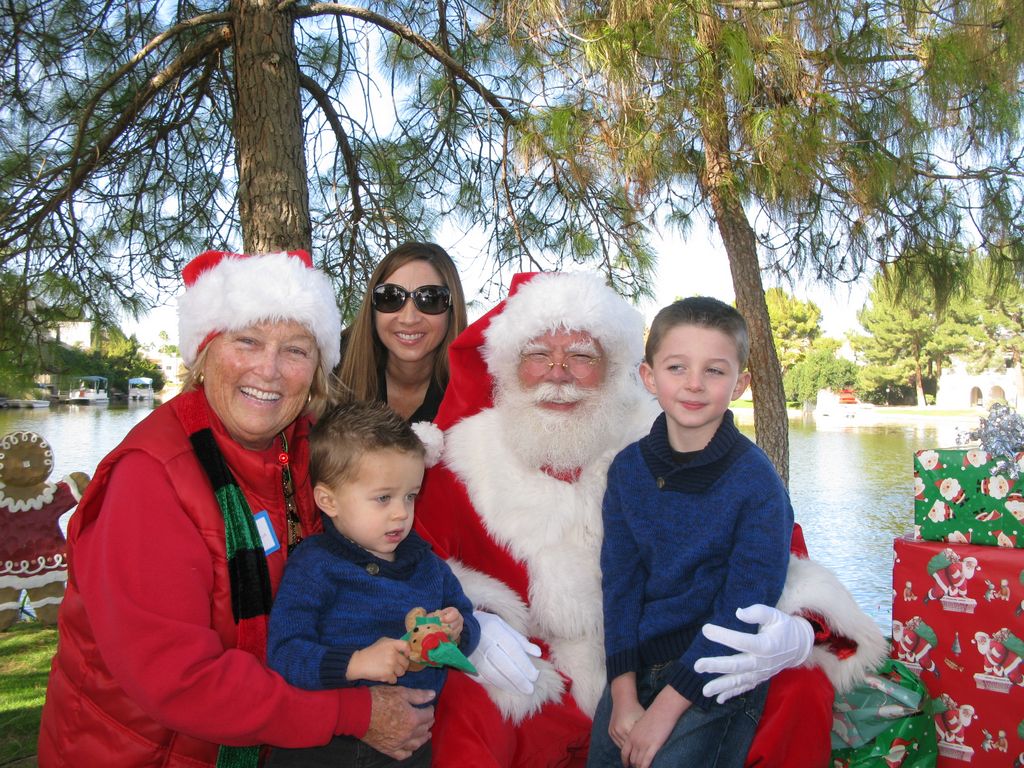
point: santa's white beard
(561, 440)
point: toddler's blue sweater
(336, 598)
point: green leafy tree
(795, 326)
(908, 340)
(166, 348)
(117, 358)
(821, 368)
(124, 358)
(28, 316)
(135, 135)
(999, 303)
(819, 137)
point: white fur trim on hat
(576, 301)
(243, 290)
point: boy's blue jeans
(718, 735)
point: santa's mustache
(547, 392)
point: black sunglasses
(429, 299)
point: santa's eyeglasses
(578, 365)
(429, 299)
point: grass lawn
(25, 652)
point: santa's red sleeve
(446, 518)
(848, 645)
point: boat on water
(91, 390)
(27, 403)
(39, 397)
(140, 389)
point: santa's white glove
(783, 641)
(503, 656)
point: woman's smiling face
(408, 334)
(257, 380)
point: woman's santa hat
(538, 303)
(231, 291)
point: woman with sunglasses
(396, 350)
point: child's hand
(625, 714)
(626, 709)
(651, 731)
(384, 662)
(452, 620)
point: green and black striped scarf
(247, 561)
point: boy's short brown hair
(345, 433)
(704, 312)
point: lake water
(852, 492)
(851, 486)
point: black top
(431, 401)
(427, 410)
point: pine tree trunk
(771, 420)
(273, 188)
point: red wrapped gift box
(958, 622)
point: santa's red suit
(526, 545)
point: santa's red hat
(537, 303)
(231, 291)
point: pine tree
(909, 337)
(134, 136)
(821, 138)
(795, 326)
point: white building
(957, 388)
(173, 369)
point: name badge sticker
(267, 535)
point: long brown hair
(364, 354)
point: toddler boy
(339, 615)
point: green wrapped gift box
(885, 721)
(958, 499)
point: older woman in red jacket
(178, 546)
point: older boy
(697, 524)
(339, 615)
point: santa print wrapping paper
(958, 499)
(958, 623)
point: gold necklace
(291, 510)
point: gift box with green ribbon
(885, 721)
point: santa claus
(515, 507)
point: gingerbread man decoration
(32, 546)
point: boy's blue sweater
(686, 544)
(336, 598)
